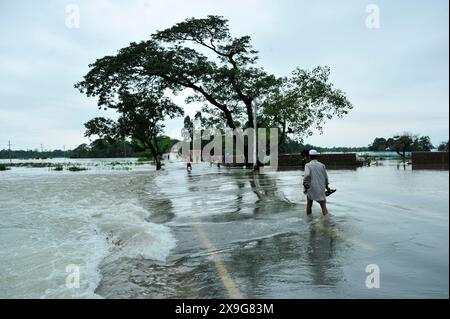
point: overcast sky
(396, 76)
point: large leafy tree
(408, 142)
(303, 103)
(225, 76)
(220, 70)
(423, 143)
(140, 118)
(402, 143)
(378, 144)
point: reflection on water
(257, 225)
(213, 228)
(321, 252)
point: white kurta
(316, 179)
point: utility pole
(9, 152)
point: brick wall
(430, 160)
(330, 160)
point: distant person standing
(315, 182)
(189, 164)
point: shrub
(76, 169)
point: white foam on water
(51, 221)
(131, 236)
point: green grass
(144, 159)
(76, 169)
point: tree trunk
(249, 107)
(155, 155)
(158, 162)
(402, 154)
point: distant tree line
(443, 147)
(99, 148)
(102, 148)
(401, 143)
(404, 143)
(28, 154)
(294, 147)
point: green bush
(3, 167)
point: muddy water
(220, 233)
(245, 235)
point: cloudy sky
(396, 75)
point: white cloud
(396, 77)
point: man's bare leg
(309, 204)
(323, 205)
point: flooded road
(221, 233)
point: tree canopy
(303, 103)
(140, 118)
(402, 143)
(221, 72)
(443, 147)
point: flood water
(221, 233)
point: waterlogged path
(245, 235)
(221, 233)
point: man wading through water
(315, 182)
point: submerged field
(219, 233)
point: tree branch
(207, 96)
